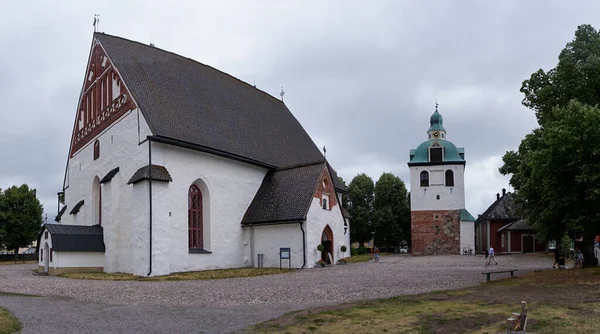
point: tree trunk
(587, 249)
(16, 254)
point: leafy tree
(391, 211)
(554, 171)
(577, 76)
(20, 217)
(360, 206)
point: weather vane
(436, 105)
(96, 22)
(324, 152)
(282, 93)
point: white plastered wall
(124, 207)
(43, 242)
(268, 240)
(316, 221)
(467, 236)
(78, 259)
(231, 186)
(425, 198)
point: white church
(176, 166)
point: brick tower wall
(435, 232)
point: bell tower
(440, 224)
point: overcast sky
(361, 76)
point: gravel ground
(217, 306)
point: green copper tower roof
(437, 150)
(436, 121)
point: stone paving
(231, 304)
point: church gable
(325, 191)
(103, 100)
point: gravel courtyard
(217, 306)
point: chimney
(503, 192)
(497, 196)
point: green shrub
(362, 250)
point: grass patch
(192, 275)
(565, 301)
(362, 257)
(8, 323)
(5, 263)
(2, 293)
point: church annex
(440, 223)
(176, 166)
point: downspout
(303, 246)
(252, 246)
(150, 200)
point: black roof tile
(75, 238)
(60, 213)
(502, 209)
(337, 183)
(159, 173)
(284, 195)
(190, 102)
(76, 207)
(110, 175)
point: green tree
(391, 211)
(345, 197)
(360, 206)
(554, 170)
(20, 217)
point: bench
(511, 271)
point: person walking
(491, 257)
(376, 253)
(556, 256)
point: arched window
(195, 221)
(96, 149)
(424, 179)
(449, 178)
(97, 201)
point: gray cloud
(361, 77)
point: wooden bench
(488, 273)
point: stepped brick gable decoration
(103, 100)
(326, 187)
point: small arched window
(195, 222)
(424, 179)
(449, 178)
(96, 149)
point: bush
(320, 247)
(353, 251)
(362, 250)
(343, 248)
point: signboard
(285, 254)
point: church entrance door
(327, 242)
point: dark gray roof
(519, 225)
(60, 213)
(159, 173)
(77, 207)
(109, 175)
(74, 238)
(345, 213)
(337, 183)
(502, 209)
(193, 103)
(284, 195)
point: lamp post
(385, 242)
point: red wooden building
(502, 228)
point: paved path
(218, 306)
